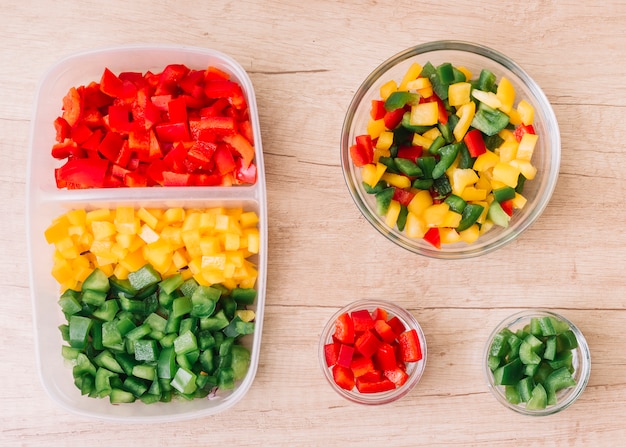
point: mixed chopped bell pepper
(179, 127)
(437, 148)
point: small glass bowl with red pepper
(372, 352)
(537, 362)
(450, 149)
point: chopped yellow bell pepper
(459, 93)
(466, 115)
(506, 95)
(424, 114)
(411, 74)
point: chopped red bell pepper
(362, 320)
(403, 196)
(361, 366)
(410, 348)
(224, 160)
(523, 129)
(384, 331)
(393, 118)
(245, 175)
(377, 111)
(397, 375)
(381, 386)
(433, 237)
(475, 143)
(344, 329)
(63, 129)
(83, 172)
(367, 343)
(507, 206)
(344, 357)
(331, 353)
(72, 107)
(362, 152)
(240, 144)
(343, 377)
(397, 325)
(410, 152)
(380, 314)
(385, 357)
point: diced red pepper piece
(224, 160)
(175, 179)
(331, 353)
(397, 375)
(245, 175)
(213, 73)
(245, 129)
(111, 145)
(119, 118)
(65, 149)
(362, 320)
(206, 179)
(242, 146)
(177, 110)
(135, 179)
(380, 314)
(172, 132)
(225, 89)
(361, 366)
(410, 348)
(433, 237)
(397, 325)
(343, 377)
(377, 111)
(72, 107)
(112, 85)
(384, 331)
(80, 133)
(523, 129)
(344, 329)
(344, 358)
(402, 196)
(507, 206)
(366, 387)
(393, 118)
(367, 343)
(362, 152)
(169, 78)
(86, 172)
(385, 357)
(63, 129)
(410, 152)
(193, 83)
(475, 143)
(161, 101)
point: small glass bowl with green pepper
(537, 362)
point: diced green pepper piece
(492, 142)
(144, 277)
(456, 203)
(184, 381)
(103, 382)
(538, 398)
(510, 373)
(527, 355)
(121, 286)
(488, 120)
(170, 284)
(377, 188)
(97, 281)
(240, 361)
(70, 302)
(562, 359)
(547, 328)
(408, 167)
(156, 322)
(499, 346)
(181, 306)
(185, 342)
(497, 214)
(204, 301)
(93, 297)
(427, 163)
(399, 99)
(470, 215)
(207, 360)
(107, 311)
(144, 371)
(390, 162)
(558, 380)
(135, 386)
(442, 186)
(146, 350)
(486, 81)
(447, 155)
(550, 352)
(166, 364)
(188, 287)
(245, 296)
(512, 395)
(402, 216)
(106, 360)
(504, 193)
(383, 200)
(79, 328)
(566, 341)
(69, 353)
(226, 379)
(422, 183)
(237, 327)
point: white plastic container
(45, 202)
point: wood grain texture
(306, 60)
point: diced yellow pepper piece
(392, 214)
(527, 146)
(514, 117)
(506, 95)
(470, 234)
(420, 202)
(385, 140)
(449, 235)
(381, 153)
(432, 134)
(57, 231)
(147, 234)
(462, 178)
(506, 173)
(248, 219)
(125, 220)
(375, 128)
(419, 84)
(411, 74)
(77, 217)
(173, 215)
(371, 174)
(525, 168)
(466, 115)
(519, 201)
(472, 194)
(415, 226)
(397, 180)
(420, 140)
(488, 98)
(485, 161)
(508, 151)
(465, 71)
(147, 217)
(387, 89)
(434, 215)
(254, 241)
(526, 112)
(459, 93)
(102, 229)
(451, 219)
(424, 114)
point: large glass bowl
(546, 157)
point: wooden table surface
(306, 60)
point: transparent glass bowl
(581, 363)
(546, 157)
(414, 369)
